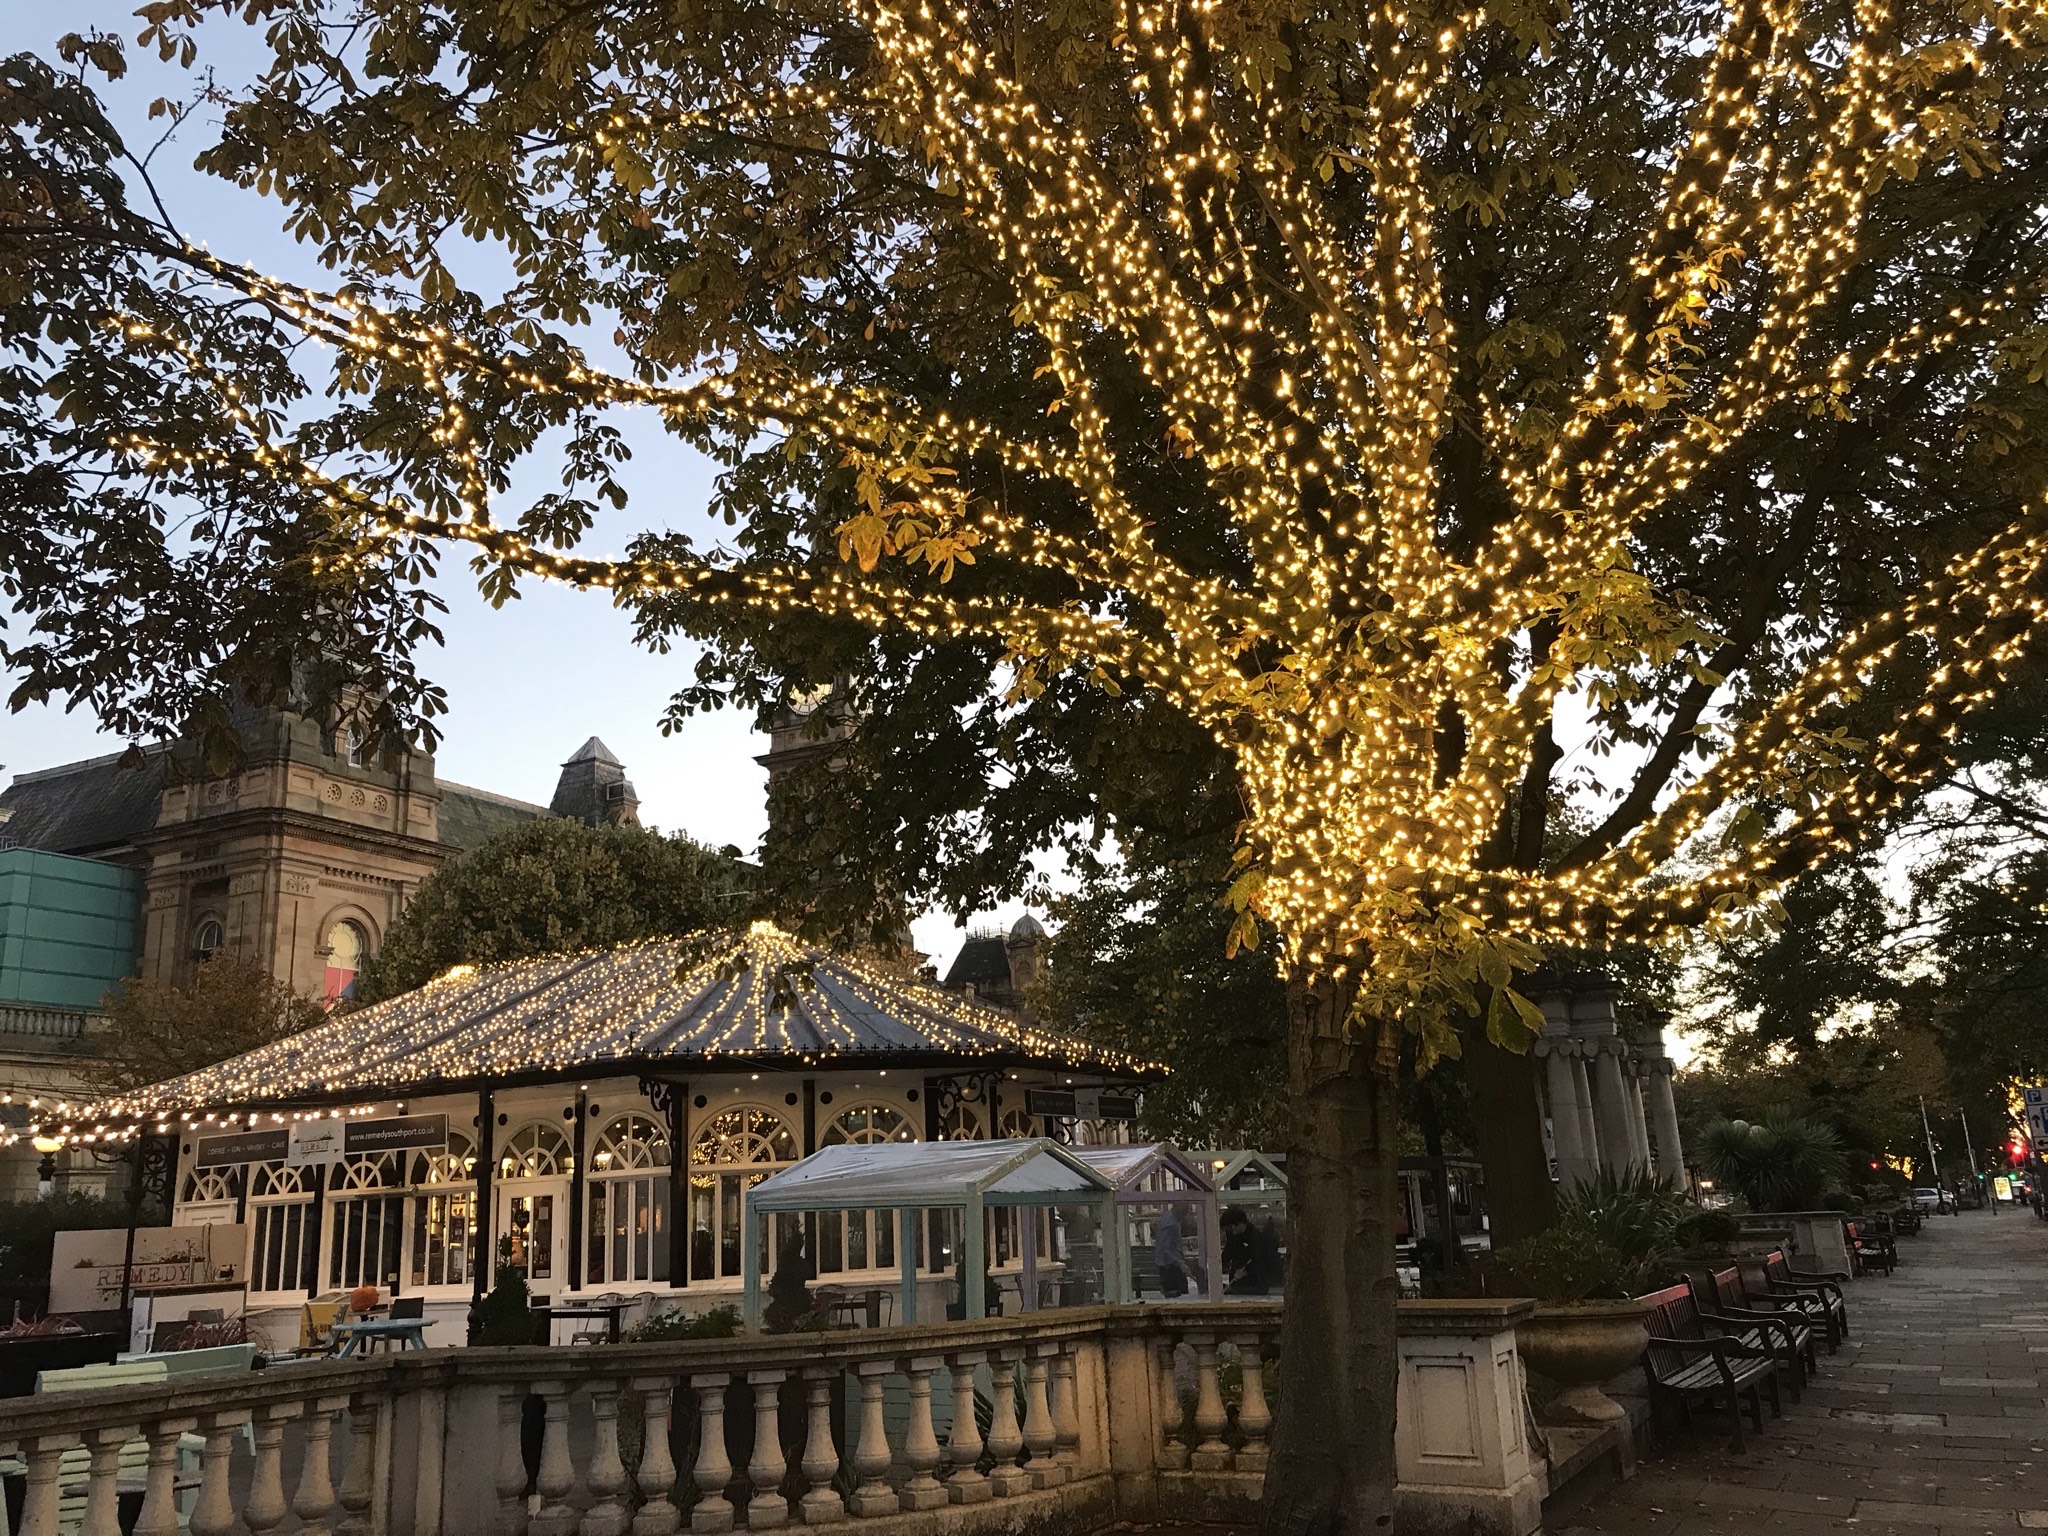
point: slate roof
(756, 993)
(983, 961)
(84, 808)
(470, 817)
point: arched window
(210, 1184)
(206, 942)
(536, 1151)
(628, 1199)
(732, 1151)
(280, 1210)
(865, 1124)
(444, 1213)
(365, 1220)
(963, 1122)
(1019, 1122)
(347, 948)
(858, 1240)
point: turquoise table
(391, 1332)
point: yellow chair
(316, 1326)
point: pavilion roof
(740, 997)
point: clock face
(805, 702)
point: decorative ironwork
(662, 1094)
(957, 1090)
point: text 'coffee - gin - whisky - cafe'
(593, 1120)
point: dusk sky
(528, 684)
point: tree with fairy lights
(1355, 392)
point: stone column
(1569, 1132)
(1582, 1090)
(1663, 1109)
(1592, 1008)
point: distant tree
(553, 885)
(154, 1031)
(1138, 962)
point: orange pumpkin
(362, 1298)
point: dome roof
(754, 994)
(1026, 928)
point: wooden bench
(1807, 1306)
(1780, 1279)
(1868, 1250)
(1787, 1332)
(1683, 1365)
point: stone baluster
(1005, 1438)
(966, 1485)
(657, 1515)
(871, 1450)
(514, 1506)
(767, 1507)
(1254, 1417)
(265, 1507)
(159, 1513)
(1211, 1419)
(213, 1512)
(1173, 1450)
(713, 1469)
(1039, 1435)
(821, 1502)
(313, 1499)
(9, 1450)
(1066, 1410)
(359, 1481)
(39, 1501)
(920, 1444)
(606, 1477)
(557, 1476)
(103, 1480)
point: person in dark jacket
(1251, 1256)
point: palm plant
(1781, 1163)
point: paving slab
(1932, 1421)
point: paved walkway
(1932, 1421)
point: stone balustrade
(1067, 1420)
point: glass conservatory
(1030, 1206)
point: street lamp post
(46, 1170)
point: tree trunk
(1521, 1201)
(1332, 1466)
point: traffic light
(2017, 1148)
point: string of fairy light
(1326, 670)
(756, 994)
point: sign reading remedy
(400, 1133)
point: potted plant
(1611, 1239)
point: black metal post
(483, 1267)
(577, 1187)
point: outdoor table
(611, 1311)
(393, 1332)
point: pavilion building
(592, 1120)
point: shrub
(1708, 1229)
(1613, 1238)
(506, 1315)
(1782, 1163)
(718, 1323)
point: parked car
(1927, 1201)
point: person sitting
(1251, 1256)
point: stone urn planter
(1579, 1345)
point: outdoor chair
(1905, 1221)
(1780, 1279)
(1683, 1366)
(407, 1308)
(1790, 1337)
(1869, 1251)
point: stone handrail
(1062, 1418)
